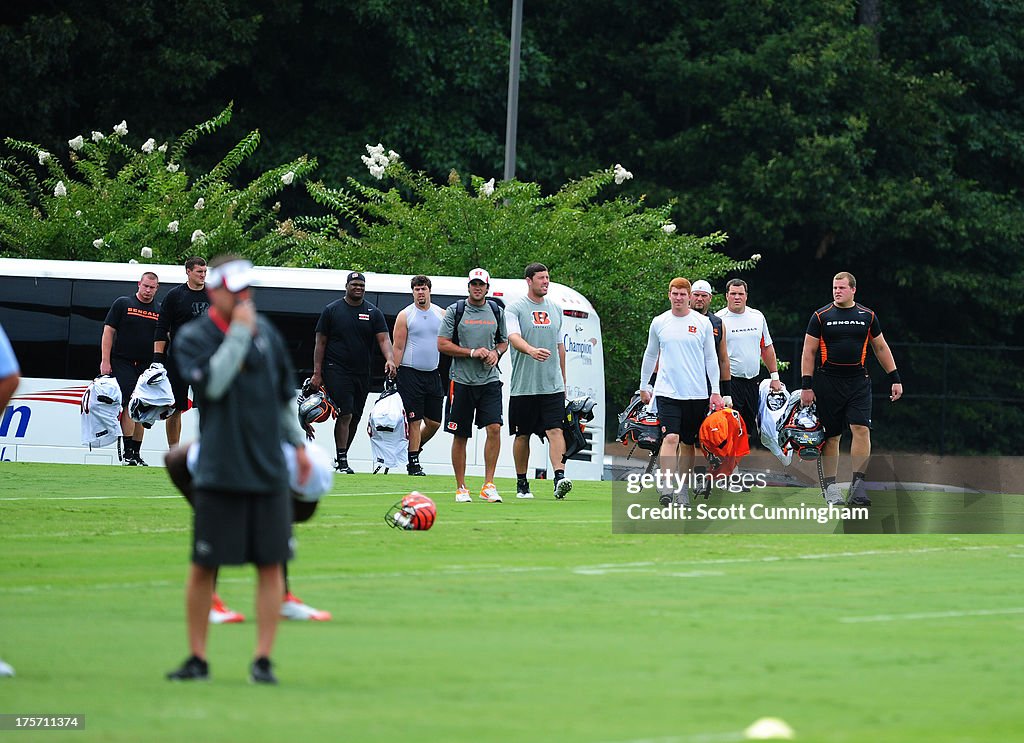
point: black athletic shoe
(342, 468)
(416, 471)
(261, 672)
(139, 461)
(704, 489)
(859, 494)
(665, 499)
(860, 500)
(130, 461)
(193, 669)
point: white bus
(53, 312)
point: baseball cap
(702, 286)
(355, 276)
(233, 276)
(479, 274)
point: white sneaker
(562, 487)
(462, 496)
(490, 493)
(221, 614)
(834, 495)
(293, 608)
(6, 669)
(527, 495)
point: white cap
(233, 276)
(701, 286)
(479, 274)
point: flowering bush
(112, 199)
(618, 251)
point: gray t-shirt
(476, 330)
(540, 324)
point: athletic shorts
(746, 398)
(528, 414)
(239, 528)
(348, 391)
(465, 400)
(842, 400)
(127, 373)
(421, 393)
(682, 417)
(178, 384)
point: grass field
(525, 621)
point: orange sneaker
(221, 614)
(293, 608)
(490, 493)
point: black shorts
(421, 393)
(178, 384)
(236, 528)
(127, 373)
(528, 414)
(746, 398)
(682, 417)
(465, 400)
(842, 400)
(348, 391)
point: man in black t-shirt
(126, 350)
(345, 334)
(182, 304)
(839, 385)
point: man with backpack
(473, 334)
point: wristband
(894, 376)
(774, 376)
(725, 385)
(806, 382)
(159, 357)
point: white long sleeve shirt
(686, 347)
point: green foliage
(114, 201)
(619, 252)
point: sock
(559, 475)
(414, 458)
(136, 447)
(830, 481)
(126, 451)
(521, 483)
(858, 476)
(342, 456)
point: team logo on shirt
(541, 318)
(364, 315)
(693, 329)
(453, 426)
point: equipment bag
(388, 429)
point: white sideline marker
(932, 615)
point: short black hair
(194, 261)
(533, 269)
(737, 282)
(420, 280)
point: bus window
(35, 314)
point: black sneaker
(416, 471)
(342, 468)
(130, 461)
(139, 461)
(859, 494)
(261, 672)
(193, 669)
(703, 490)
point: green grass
(525, 621)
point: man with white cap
(700, 300)
(473, 333)
(241, 373)
(749, 343)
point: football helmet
(415, 512)
(578, 412)
(803, 432)
(315, 405)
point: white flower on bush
(148, 146)
(98, 242)
(146, 252)
(668, 228)
(487, 188)
(78, 212)
(198, 236)
(172, 167)
(77, 143)
(287, 178)
(376, 161)
(162, 148)
(60, 189)
(43, 156)
(133, 261)
(755, 257)
(172, 226)
(200, 204)
(97, 136)
(621, 175)
(121, 128)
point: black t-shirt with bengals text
(351, 334)
(135, 322)
(843, 335)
